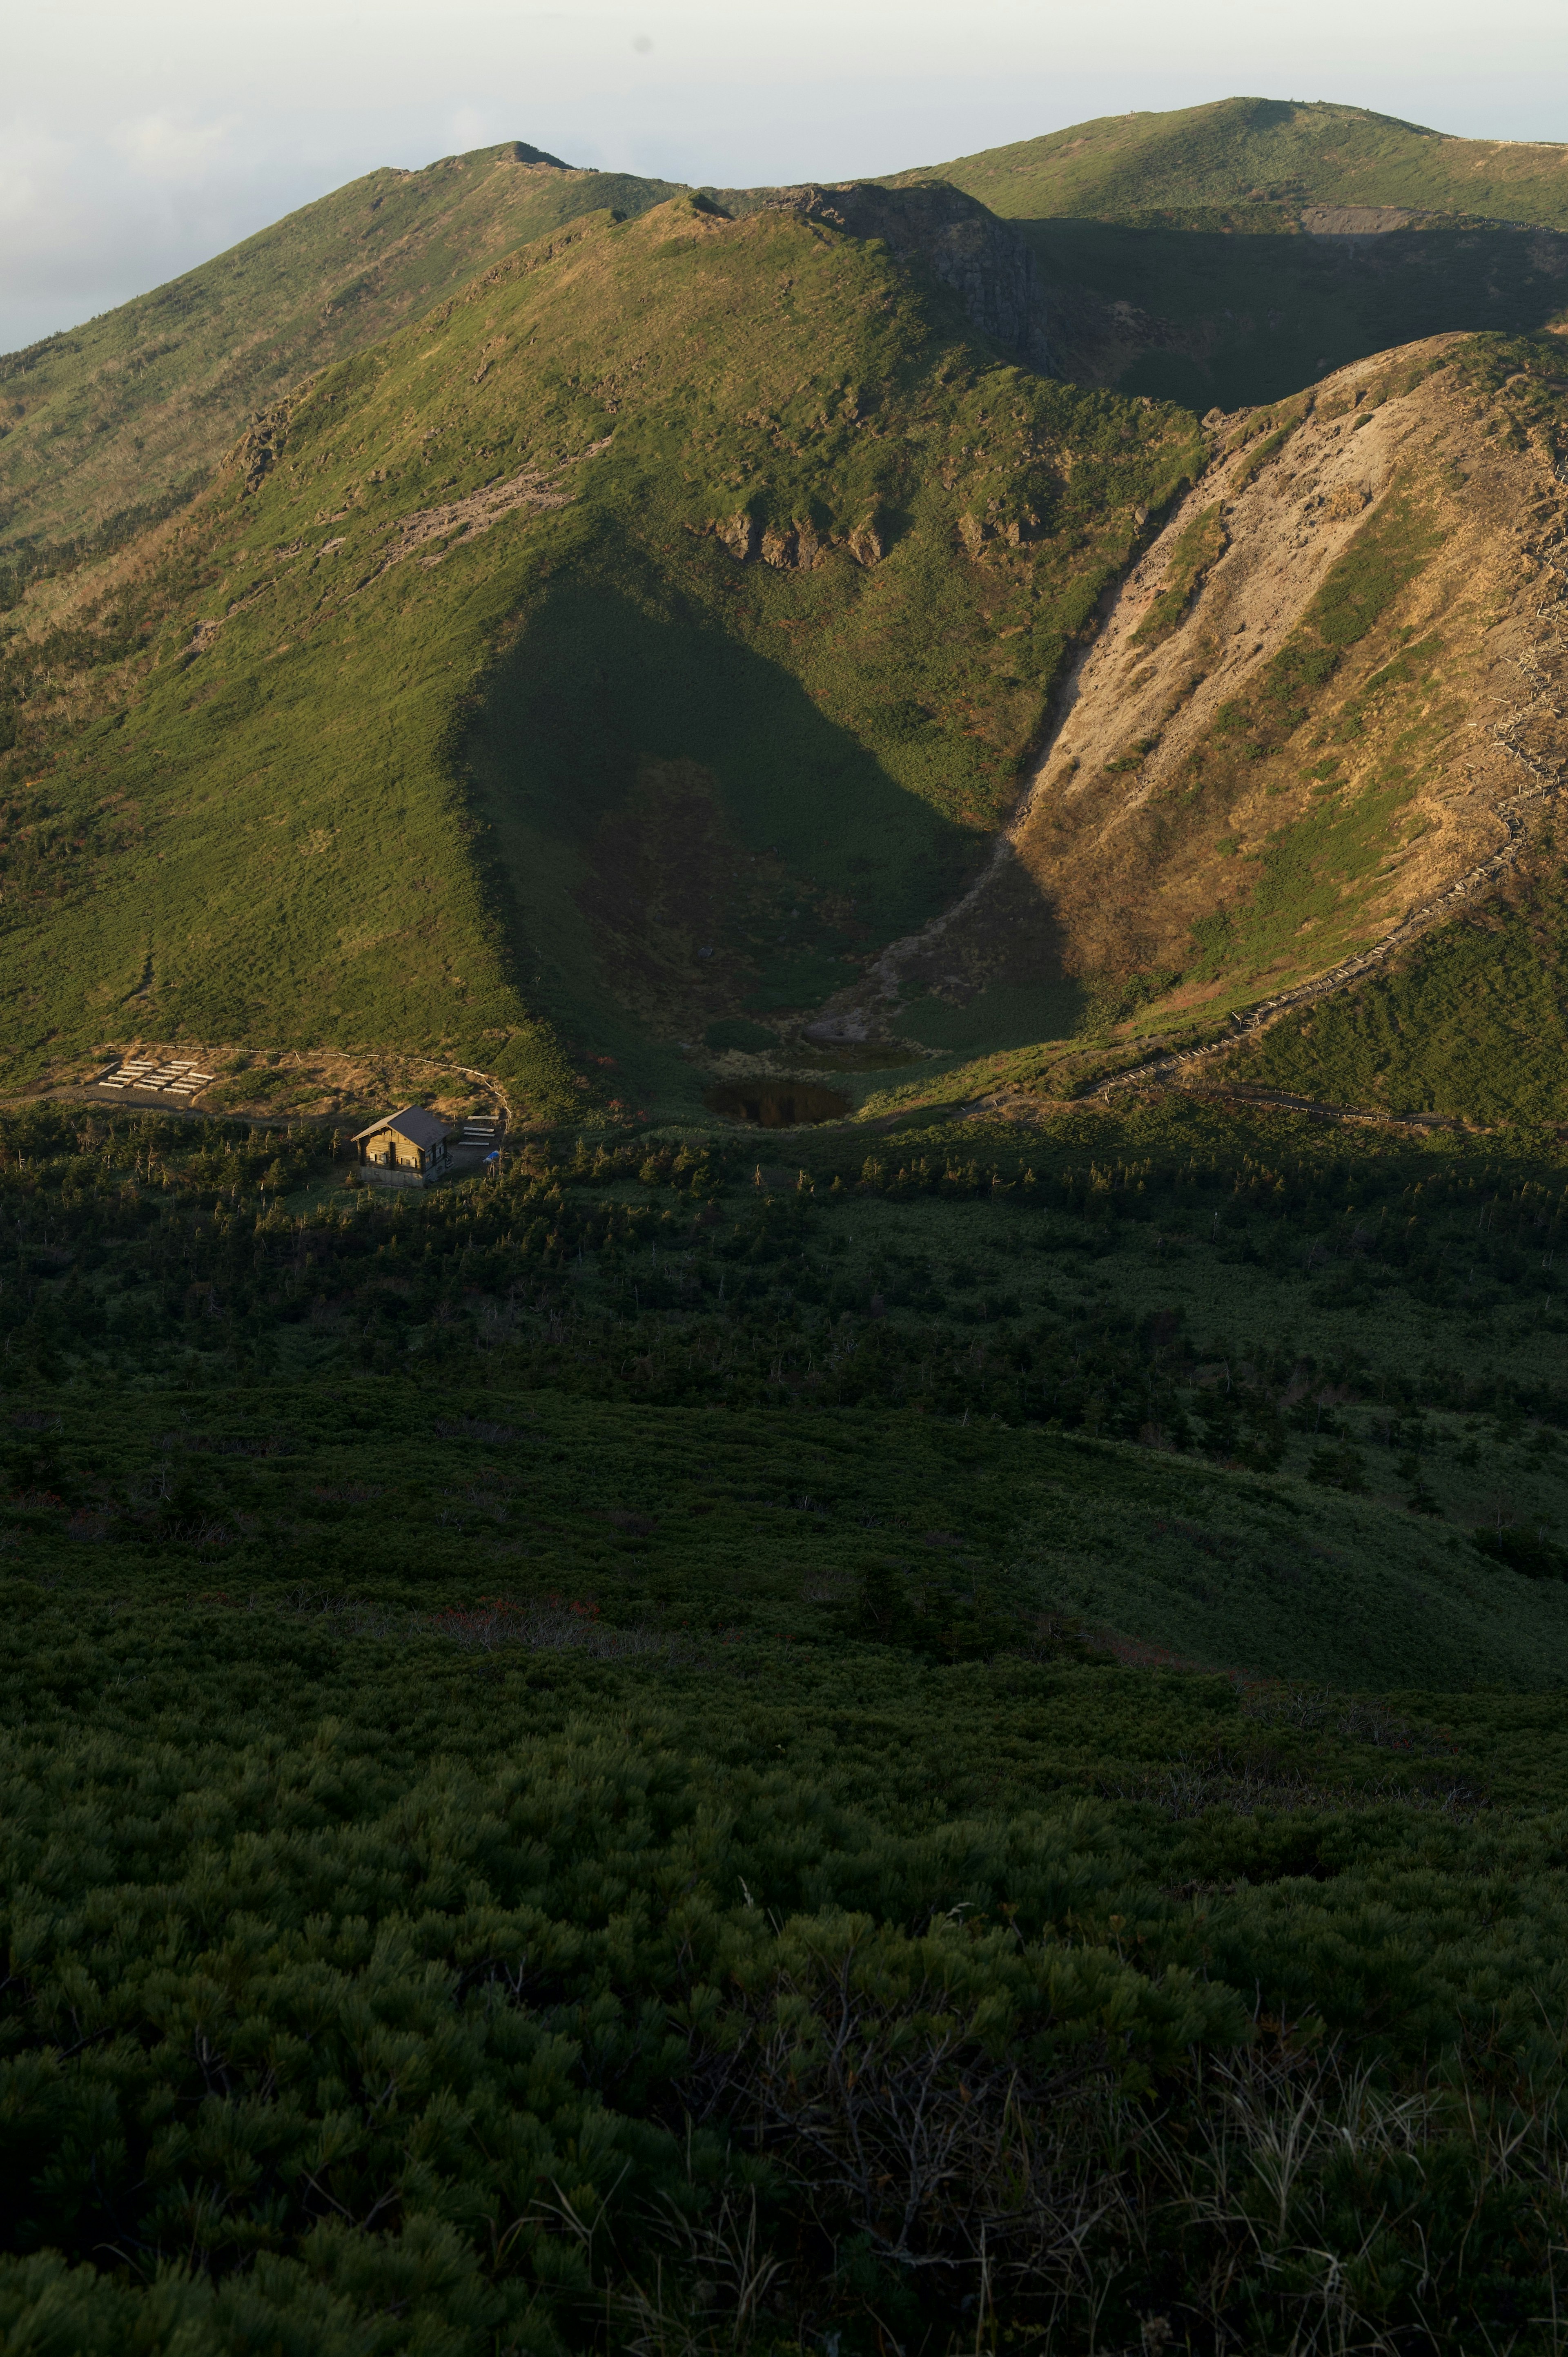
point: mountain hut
(405, 1149)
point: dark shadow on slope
(1225, 318)
(993, 978)
(680, 831)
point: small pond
(777, 1104)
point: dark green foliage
(1337, 1469)
(734, 1031)
(358, 1971)
(1525, 1550)
(498, 1849)
(1158, 1343)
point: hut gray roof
(420, 1127)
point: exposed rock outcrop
(434, 530)
(794, 548)
(260, 446)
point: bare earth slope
(1323, 709)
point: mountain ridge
(141, 403)
(1239, 151)
(827, 687)
(1229, 253)
(888, 562)
(107, 426)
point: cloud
(163, 148)
(467, 127)
(35, 172)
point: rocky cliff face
(984, 260)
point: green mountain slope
(104, 425)
(1265, 151)
(636, 643)
(1473, 1024)
(1228, 313)
(1229, 253)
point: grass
(1321, 866)
(110, 423)
(1198, 545)
(1191, 217)
(410, 805)
(1469, 1027)
(1194, 218)
(560, 796)
(1255, 309)
(1259, 152)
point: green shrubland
(1470, 1025)
(659, 1752)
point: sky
(137, 140)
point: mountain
(1055, 1588)
(1265, 151)
(623, 677)
(108, 426)
(1224, 253)
(1229, 253)
(626, 649)
(1320, 721)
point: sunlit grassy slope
(1188, 215)
(340, 757)
(1236, 151)
(107, 422)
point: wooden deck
(176, 1078)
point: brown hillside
(1310, 711)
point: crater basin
(777, 1104)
